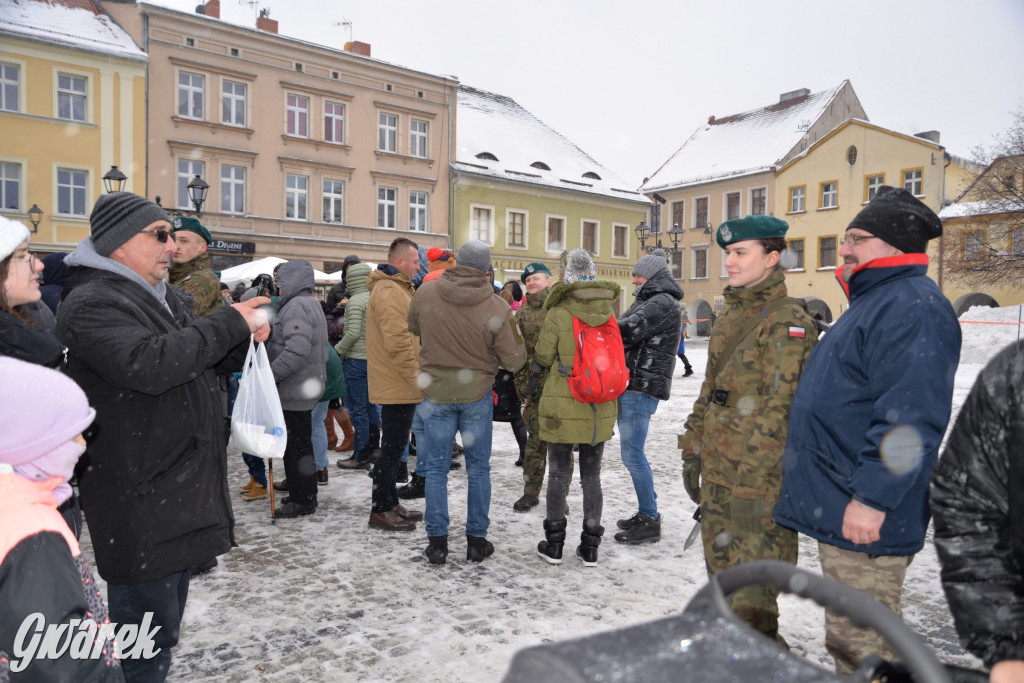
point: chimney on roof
(210, 9)
(711, 119)
(793, 94)
(932, 135)
(265, 23)
(358, 48)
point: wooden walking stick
(273, 511)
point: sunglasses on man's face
(161, 235)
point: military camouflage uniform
(738, 430)
(198, 279)
(531, 318)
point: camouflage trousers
(724, 547)
(535, 460)
(881, 577)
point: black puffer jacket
(650, 333)
(977, 499)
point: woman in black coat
(977, 499)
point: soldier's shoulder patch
(797, 333)
(517, 331)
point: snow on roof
(69, 23)
(742, 144)
(984, 208)
(498, 138)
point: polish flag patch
(797, 333)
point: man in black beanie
(869, 414)
(153, 479)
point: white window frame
(196, 167)
(296, 123)
(725, 204)
(508, 228)
(707, 218)
(189, 94)
(333, 200)
(7, 83)
(835, 256)
(764, 189)
(418, 138)
(387, 132)
(672, 211)
(826, 194)
(232, 189)
(802, 198)
(681, 257)
(81, 202)
(233, 104)
(872, 191)
(334, 122)
(296, 196)
(626, 241)
(597, 235)
(6, 182)
(387, 207)
(798, 268)
(916, 183)
(418, 210)
(694, 250)
(559, 248)
(74, 94)
(483, 233)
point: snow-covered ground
(324, 598)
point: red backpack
(598, 373)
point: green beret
(192, 225)
(533, 269)
(750, 228)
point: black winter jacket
(153, 480)
(977, 499)
(650, 333)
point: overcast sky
(629, 81)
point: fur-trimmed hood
(591, 301)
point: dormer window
(591, 175)
(541, 165)
(486, 156)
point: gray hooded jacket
(298, 342)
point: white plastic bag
(257, 420)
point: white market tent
(247, 271)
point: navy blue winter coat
(871, 408)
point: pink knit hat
(40, 410)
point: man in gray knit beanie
(119, 216)
(649, 265)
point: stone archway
(965, 302)
(701, 311)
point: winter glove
(747, 515)
(691, 478)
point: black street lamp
(35, 215)
(114, 180)
(197, 190)
(643, 233)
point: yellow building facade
(72, 107)
(821, 190)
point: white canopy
(247, 271)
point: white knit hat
(12, 234)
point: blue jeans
(357, 400)
(441, 421)
(165, 598)
(419, 431)
(635, 410)
(319, 435)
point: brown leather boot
(346, 429)
(332, 436)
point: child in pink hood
(42, 572)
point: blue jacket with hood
(871, 409)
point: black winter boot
(589, 540)
(437, 551)
(642, 529)
(478, 548)
(551, 548)
(414, 489)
